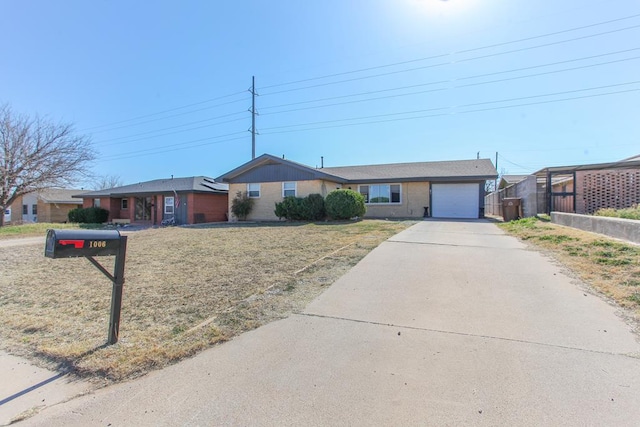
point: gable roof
(480, 169)
(60, 195)
(194, 184)
(267, 161)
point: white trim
(295, 188)
(249, 190)
(169, 203)
(382, 203)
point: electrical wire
(171, 150)
(449, 62)
(110, 142)
(460, 79)
(450, 88)
(453, 53)
(440, 114)
(181, 145)
(170, 110)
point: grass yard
(37, 229)
(186, 289)
(609, 266)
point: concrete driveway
(447, 323)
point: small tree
(345, 204)
(36, 154)
(242, 205)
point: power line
(181, 145)
(460, 79)
(451, 62)
(110, 142)
(169, 110)
(453, 87)
(445, 114)
(453, 53)
(173, 149)
(167, 117)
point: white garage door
(455, 200)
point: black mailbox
(81, 243)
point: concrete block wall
(625, 229)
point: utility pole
(253, 117)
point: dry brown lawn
(186, 289)
(609, 266)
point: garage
(460, 200)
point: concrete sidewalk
(447, 323)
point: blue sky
(162, 87)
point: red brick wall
(616, 189)
(212, 206)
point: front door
(143, 209)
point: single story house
(444, 189)
(191, 200)
(584, 189)
(50, 205)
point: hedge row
(339, 205)
(88, 215)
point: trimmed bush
(314, 209)
(310, 208)
(88, 215)
(345, 204)
(242, 205)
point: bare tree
(107, 181)
(36, 153)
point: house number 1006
(98, 244)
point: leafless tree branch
(36, 153)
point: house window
(253, 190)
(168, 205)
(34, 209)
(25, 209)
(124, 204)
(380, 194)
(96, 203)
(288, 189)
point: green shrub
(314, 207)
(345, 204)
(93, 215)
(242, 205)
(291, 208)
(310, 208)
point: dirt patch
(186, 289)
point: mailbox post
(90, 243)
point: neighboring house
(584, 189)
(508, 180)
(446, 189)
(50, 205)
(189, 200)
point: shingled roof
(432, 171)
(60, 195)
(194, 184)
(477, 169)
